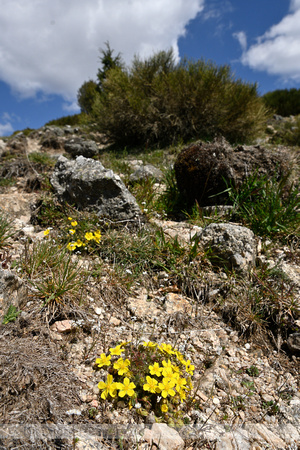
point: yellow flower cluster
(164, 378)
(89, 236)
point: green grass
(269, 207)
(6, 230)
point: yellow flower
(126, 388)
(116, 351)
(155, 369)
(189, 367)
(89, 236)
(164, 408)
(167, 348)
(97, 236)
(70, 218)
(182, 395)
(72, 231)
(74, 223)
(151, 385)
(180, 384)
(103, 360)
(71, 246)
(149, 344)
(122, 366)
(168, 373)
(79, 243)
(46, 232)
(108, 388)
(166, 387)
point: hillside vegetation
(158, 101)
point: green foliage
(73, 120)
(270, 207)
(159, 101)
(148, 376)
(285, 102)
(54, 276)
(108, 62)
(41, 158)
(86, 96)
(11, 315)
(6, 230)
(252, 371)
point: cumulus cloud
(278, 50)
(52, 46)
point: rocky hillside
(94, 267)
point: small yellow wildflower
(180, 384)
(70, 218)
(116, 351)
(168, 373)
(72, 231)
(155, 369)
(151, 385)
(74, 223)
(126, 388)
(164, 408)
(79, 243)
(46, 232)
(89, 236)
(167, 348)
(109, 388)
(97, 236)
(189, 367)
(103, 360)
(149, 344)
(166, 387)
(122, 366)
(71, 246)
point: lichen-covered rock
(203, 168)
(229, 245)
(86, 184)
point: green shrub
(285, 102)
(6, 229)
(159, 101)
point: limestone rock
(229, 245)
(164, 437)
(85, 183)
(146, 171)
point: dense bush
(159, 101)
(285, 102)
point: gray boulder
(76, 147)
(85, 183)
(231, 246)
(146, 171)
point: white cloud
(278, 50)
(242, 38)
(6, 129)
(52, 46)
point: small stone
(216, 401)
(165, 437)
(114, 321)
(62, 326)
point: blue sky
(49, 48)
